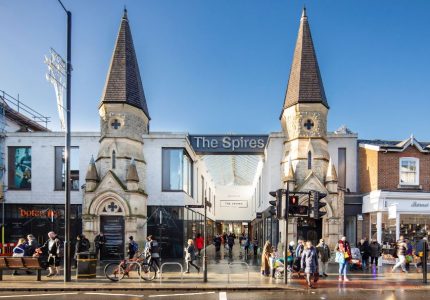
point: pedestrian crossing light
(276, 205)
(317, 197)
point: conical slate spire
(305, 84)
(132, 172)
(92, 171)
(123, 82)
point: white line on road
(112, 294)
(222, 296)
(37, 295)
(187, 294)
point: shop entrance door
(113, 229)
(309, 229)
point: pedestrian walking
(290, 259)
(309, 262)
(265, 255)
(19, 251)
(217, 243)
(298, 256)
(246, 244)
(343, 256)
(255, 246)
(408, 257)
(400, 252)
(375, 252)
(323, 257)
(190, 256)
(55, 250)
(199, 243)
(364, 248)
(419, 250)
(230, 243)
(100, 244)
(154, 252)
(132, 248)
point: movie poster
(22, 178)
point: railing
(20, 107)
(236, 263)
(172, 263)
(131, 263)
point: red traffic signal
(293, 200)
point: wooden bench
(21, 263)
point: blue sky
(222, 66)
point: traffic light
(293, 203)
(317, 197)
(276, 205)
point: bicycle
(117, 271)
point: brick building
(395, 182)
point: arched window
(113, 159)
(309, 160)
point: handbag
(340, 258)
(346, 255)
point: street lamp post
(67, 239)
(205, 264)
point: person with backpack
(55, 249)
(99, 243)
(154, 251)
(230, 243)
(132, 248)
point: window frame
(55, 169)
(190, 180)
(417, 171)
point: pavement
(224, 274)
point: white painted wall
(348, 141)
(43, 164)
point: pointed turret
(92, 176)
(305, 84)
(289, 174)
(132, 177)
(123, 83)
(331, 172)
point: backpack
(85, 244)
(134, 246)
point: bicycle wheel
(114, 271)
(148, 272)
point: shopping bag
(340, 258)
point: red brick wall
(388, 171)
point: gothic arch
(109, 203)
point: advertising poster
(22, 178)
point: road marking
(112, 294)
(37, 295)
(222, 296)
(187, 294)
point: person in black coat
(54, 248)
(82, 245)
(100, 242)
(364, 247)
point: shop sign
(228, 144)
(392, 211)
(38, 213)
(234, 203)
(408, 205)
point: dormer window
(409, 171)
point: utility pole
(205, 263)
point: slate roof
(123, 82)
(305, 84)
(395, 145)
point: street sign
(194, 206)
(259, 215)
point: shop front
(265, 229)
(38, 219)
(390, 215)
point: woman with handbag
(343, 256)
(190, 256)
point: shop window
(409, 171)
(309, 160)
(60, 168)
(177, 170)
(19, 173)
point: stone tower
(306, 164)
(115, 200)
